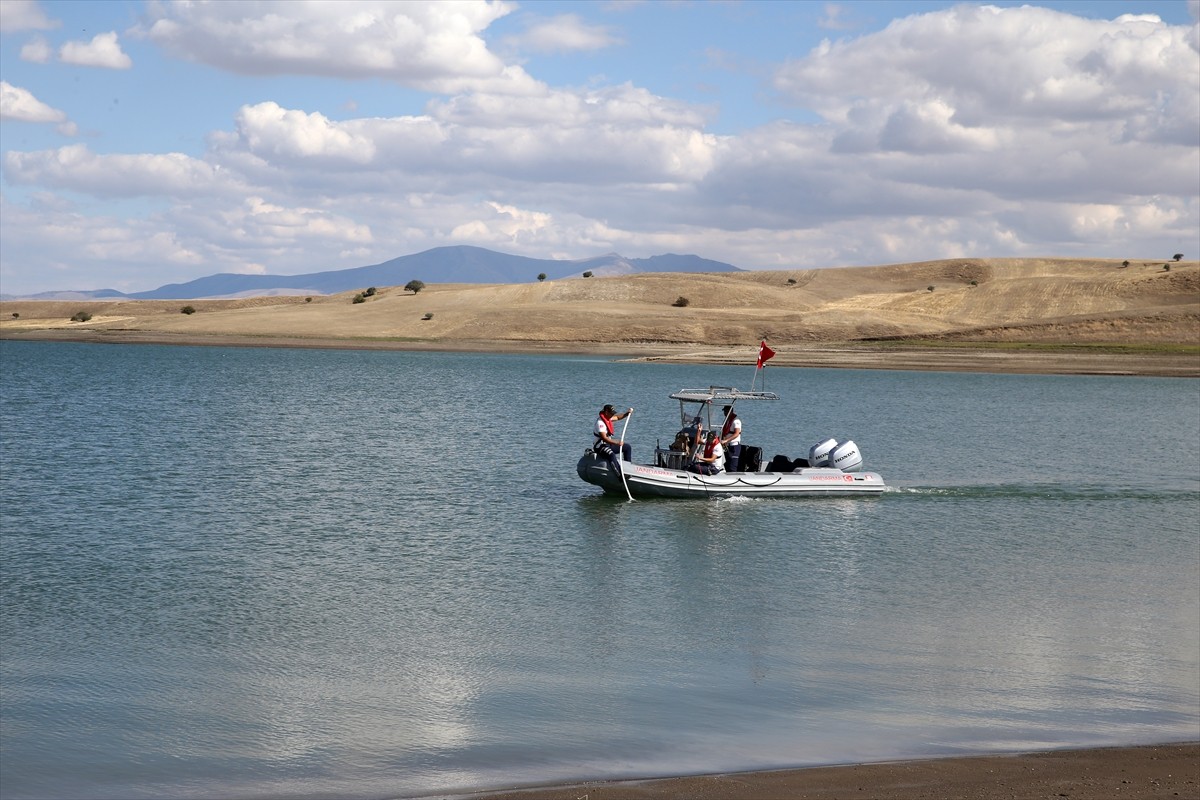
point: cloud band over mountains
(966, 131)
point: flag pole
(764, 355)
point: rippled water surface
(274, 573)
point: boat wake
(1047, 491)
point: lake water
(269, 573)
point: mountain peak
(447, 264)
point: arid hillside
(983, 300)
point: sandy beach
(1038, 316)
(1099, 774)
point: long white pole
(621, 452)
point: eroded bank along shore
(1177, 361)
(1121, 773)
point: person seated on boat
(731, 439)
(682, 443)
(606, 444)
(711, 459)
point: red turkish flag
(765, 354)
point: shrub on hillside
(187, 310)
(81, 316)
(359, 298)
(414, 286)
(681, 302)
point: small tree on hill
(370, 292)
(81, 316)
(682, 302)
(414, 286)
(1178, 256)
(541, 276)
(587, 274)
(188, 310)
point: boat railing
(668, 458)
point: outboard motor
(819, 454)
(846, 457)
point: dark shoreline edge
(1169, 770)
(984, 357)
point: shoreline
(1134, 773)
(984, 357)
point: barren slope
(1028, 300)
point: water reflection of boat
(831, 468)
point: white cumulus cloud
(435, 46)
(102, 51)
(20, 105)
(273, 132)
(24, 15)
(565, 33)
(77, 168)
(1011, 68)
(37, 51)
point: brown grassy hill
(984, 300)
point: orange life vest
(608, 423)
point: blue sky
(144, 143)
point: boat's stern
(597, 471)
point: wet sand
(1122, 773)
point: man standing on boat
(606, 444)
(731, 439)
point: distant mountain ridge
(455, 264)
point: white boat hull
(651, 481)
